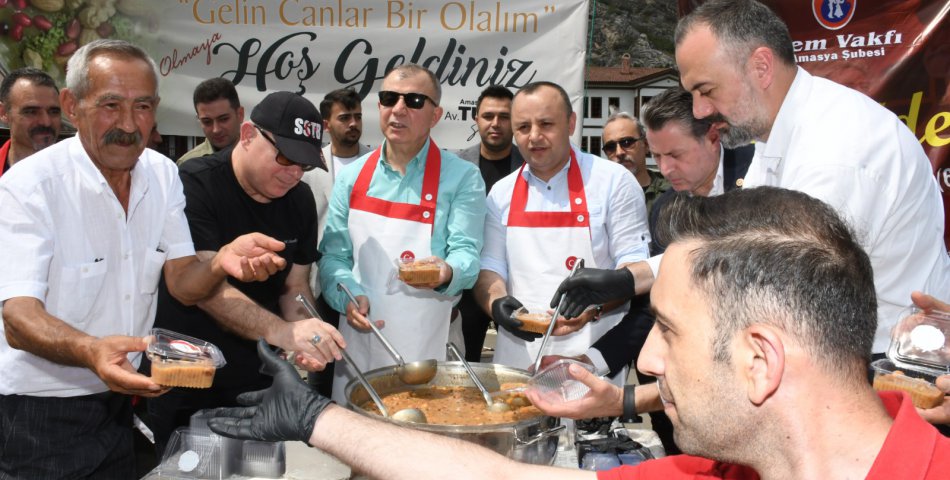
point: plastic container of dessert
(419, 272)
(919, 385)
(919, 352)
(533, 318)
(182, 361)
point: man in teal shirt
(410, 206)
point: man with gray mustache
(29, 105)
(89, 225)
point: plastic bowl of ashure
(45, 33)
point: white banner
(314, 46)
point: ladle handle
(369, 388)
(578, 264)
(359, 375)
(306, 304)
(389, 347)
(471, 373)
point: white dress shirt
(68, 242)
(718, 186)
(844, 148)
(618, 219)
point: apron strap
(576, 217)
(422, 213)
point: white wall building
(618, 89)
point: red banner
(895, 51)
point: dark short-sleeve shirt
(218, 211)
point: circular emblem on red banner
(569, 263)
(407, 256)
(833, 14)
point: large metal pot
(531, 441)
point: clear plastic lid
(420, 271)
(167, 345)
(554, 382)
(921, 342)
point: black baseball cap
(296, 125)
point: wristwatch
(630, 405)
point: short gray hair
(77, 69)
(624, 116)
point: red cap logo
(407, 256)
(569, 263)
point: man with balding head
(405, 202)
(562, 206)
(624, 141)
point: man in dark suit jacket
(496, 157)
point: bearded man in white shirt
(814, 136)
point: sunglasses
(281, 160)
(414, 101)
(625, 143)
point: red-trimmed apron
(542, 248)
(417, 320)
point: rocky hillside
(642, 28)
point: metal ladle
(492, 406)
(415, 373)
(412, 415)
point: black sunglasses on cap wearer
(625, 143)
(414, 101)
(283, 161)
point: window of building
(596, 107)
(613, 105)
(591, 144)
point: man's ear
(762, 67)
(68, 103)
(436, 116)
(761, 361)
(248, 132)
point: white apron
(542, 248)
(417, 320)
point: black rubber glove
(593, 286)
(501, 310)
(285, 411)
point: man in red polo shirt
(764, 327)
(29, 105)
